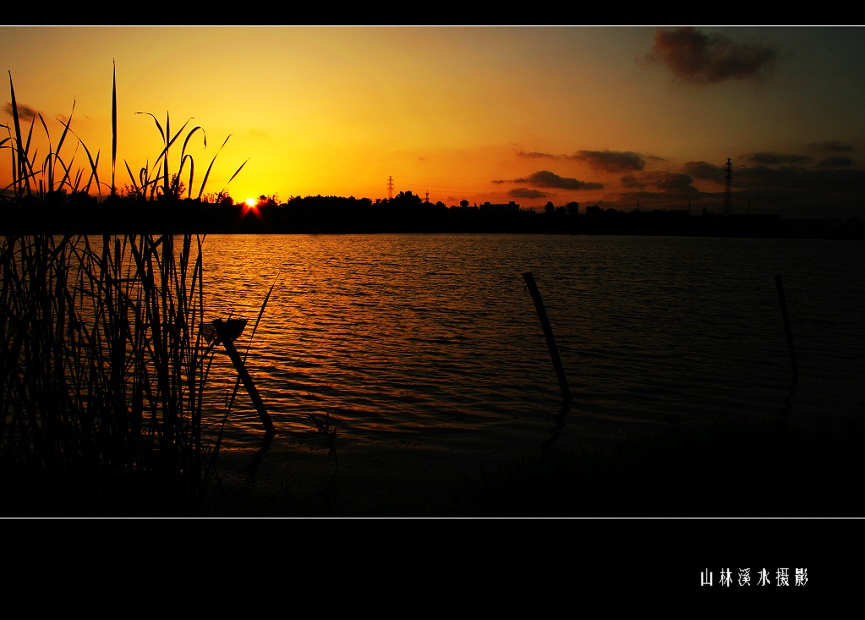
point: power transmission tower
(728, 188)
(389, 188)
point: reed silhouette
(103, 365)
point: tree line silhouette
(81, 213)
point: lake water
(421, 336)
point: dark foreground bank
(747, 468)
(744, 468)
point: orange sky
(617, 116)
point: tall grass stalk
(103, 365)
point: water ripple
(408, 333)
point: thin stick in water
(787, 327)
(224, 338)
(548, 332)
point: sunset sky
(621, 116)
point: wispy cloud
(632, 182)
(791, 183)
(25, 112)
(698, 58)
(829, 182)
(525, 192)
(611, 161)
(704, 170)
(536, 155)
(831, 146)
(797, 190)
(835, 161)
(671, 182)
(547, 179)
(775, 159)
(674, 182)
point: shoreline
(727, 469)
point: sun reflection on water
(424, 333)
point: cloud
(835, 161)
(827, 185)
(647, 200)
(831, 146)
(545, 178)
(611, 161)
(525, 192)
(666, 182)
(824, 192)
(698, 58)
(25, 112)
(632, 182)
(774, 159)
(705, 171)
(671, 182)
(536, 155)
(828, 182)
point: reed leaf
(165, 162)
(21, 154)
(113, 124)
(236, 172)
(158, 126)
(65, 128)
(191, 161)
(102, 378)
(67, 170)
(189, 136)
(94, 174)
(48, 159)
(29, 137)
(210, 165)
(131, 178)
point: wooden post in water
(227, 340)
(548, 332)
(787, 327)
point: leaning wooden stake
(548, 332)
(225, 337)
(787, 327)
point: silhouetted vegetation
(62, 212)
(103, 365)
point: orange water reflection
(408, 334)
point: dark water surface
(421, 337)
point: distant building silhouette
(728, 187)
(511, 207)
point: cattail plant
(103, 365)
